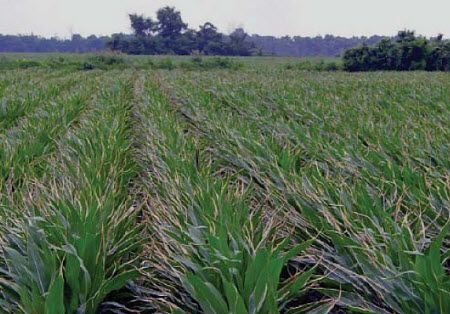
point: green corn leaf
(295, 251)
(254, 271)
(207, 295)
(54, 302)
(118, 281)
(235, 302)
(292, 288)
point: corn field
(259, 189)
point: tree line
(405, 52)
(33, 43)
(299, 46)
(169, 34)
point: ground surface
(224, 190)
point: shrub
(25, 63)
(166, 64)
(223, 63)
(88, 66)
(331, 66)
(106, 60)
(405, 53)
(103, 62)
(307, 65)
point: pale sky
(265, 17)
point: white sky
(265, 17)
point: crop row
(62, 250)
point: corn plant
(82, 246)
(374, 199)
(225, 250)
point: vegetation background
(152, 37)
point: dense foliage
(298, 46)
(168, 34)
(32, 43)
(406, 52)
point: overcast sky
(265, 17)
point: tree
(185, 43)
(406, 35)
(357, 59)
(77, 42)
(141, 26)
(209, 40)
(412, 51)
(170, 23)
(439, 57)
(118, 42)
(136, 46)
(238, 45)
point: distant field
(76, 61)
(243, 185)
